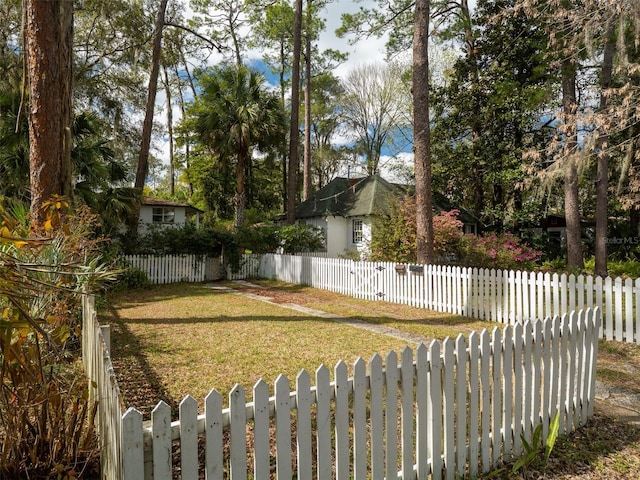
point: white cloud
(369, 50)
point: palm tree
(14, 147)
(234, 114)
(97, 174)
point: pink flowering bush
(447, 233)
(394, 239)
(505, 251)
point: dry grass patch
(425, 323)
(174, 340)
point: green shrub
(130, 278)
(175, 241)
(300, 238)
(616, 268)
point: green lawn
(173, 340)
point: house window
(356, 231)
(163, 215)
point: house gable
(166, 213)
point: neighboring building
(555, 226)
(344, 209)
(167, 214)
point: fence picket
(359, 420)
(485, 400)
(617, 292)
(423, 461)
(517, 389)
(434, 410)
(238, 441)
(342, 421)
(537, 377)
(132, 445)
(448, 407)
(189, 438)
(595, 321)
(628, 310)
(555, 364)
(261, 449)
(161, 451)
(496, 396)
(527, 369)
(461, 404)
(283, 427)
(376, 381)
(579, 388)
(598, 294)
(608, 298)
(391, 415)
(323, 421)
(571, 379)
(406, 412)
(564, 365)
(303, 424)
(474, 404)
(546, 377)
(507, 390)
(214, 469)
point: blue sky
(367, 51)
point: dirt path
(269, 296)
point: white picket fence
(103, 388)
(503, 296)
(458, 408)
(161, 269)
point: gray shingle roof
(350, 197)
(354, 197)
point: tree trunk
(167, 88)
(147, 126)
(187, 152)
(240, 198)
(306, 170)
(422, 133)
(571, 198)
(49, 42)
(283, 146)
(295, 110)
(602, 177)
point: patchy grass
(425, 323)
(187, 339)
(619, 364)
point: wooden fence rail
(503, 296)
(103, 388)
(458, 408)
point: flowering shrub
(447, 233)
(394, 239)
(505, 251)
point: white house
(167, 214)
(345, 208)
